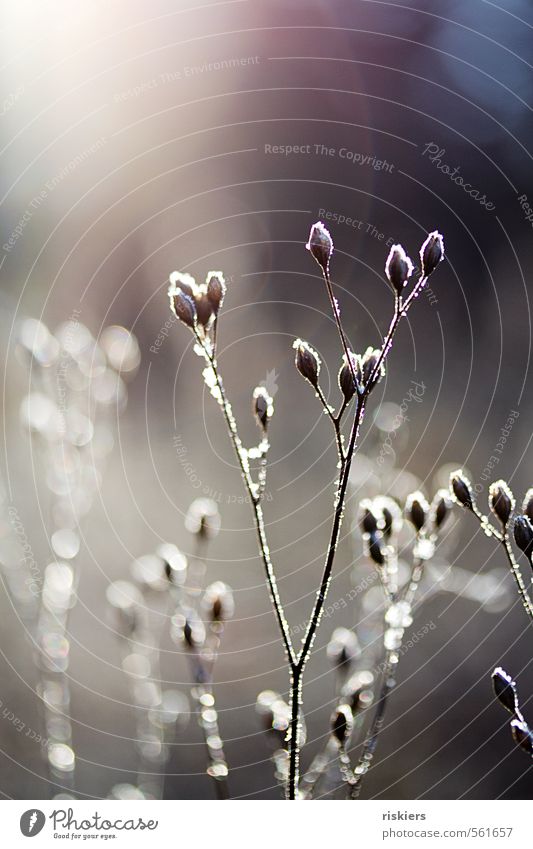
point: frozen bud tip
(431, 253)
(218, 602)
(369, 364)
(320, 244)
(203, 518)
(461, 489)
(527, 506)
(215, 290)
(342, 724)
(375, 549)
(522, 735)
(263, 406)
(183, 307)
(307, 362)
(416, 510)
(346, 381)
(523, 534)
(368, 520)
(398, 268)
(440, 508)
(505, 689)
(501, 501)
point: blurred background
(142, 138)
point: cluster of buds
(399, 268)
(502, 504)
(196, 305)
(507, 694)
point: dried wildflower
(501, 501)
(369, 362)
(218, 602)
(263, 407)
(522, 735)
(343, 648)
(431, 253)
(523, 534)
(461, 489)
(505, 689)
(203, 518)
(346, 381)
(416, 510)
(320, 244)
(440, 508)
(342, 724)
(527, 506)
(398, 268)
(215, 290)
(307, 362)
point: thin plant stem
(337, 317)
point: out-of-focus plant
(520, 525)
(168, 587)
(198, 307)
(77, 385)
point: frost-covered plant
(198, 308)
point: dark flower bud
(369, 362)
(416, 510)
(346, 381)
(431, 253)
(216, 290)
(391, 515)
(183, 307)
(263, 406)
(342, 724)
(505, 689)
(218, 602)
(523, 534)
(189, 628)
(375, 549)
(440, 508)
(185, 282)
(367, 517)
(522, 735)
(461, 489)
(204, 309)
(343, 648)
(527, 506)
(307, 362)
(398, 268)
(320, 245)
(501, 501)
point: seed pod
(263, 407)
(431, 253)
(527, 506)
(461, 489)
(375, 549)
(343, 648)
(505, 689)
(368, 520)
(398, 268)
(183, 307)
(501, 501)
(307, 362)
(320, 245)
(522, 735)
(369, 361)
(346, 381)
(523, 534)
(216, 290)
(416, 510)
(218, 602)
(342, 724)
(440, 508)
(204, 309)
